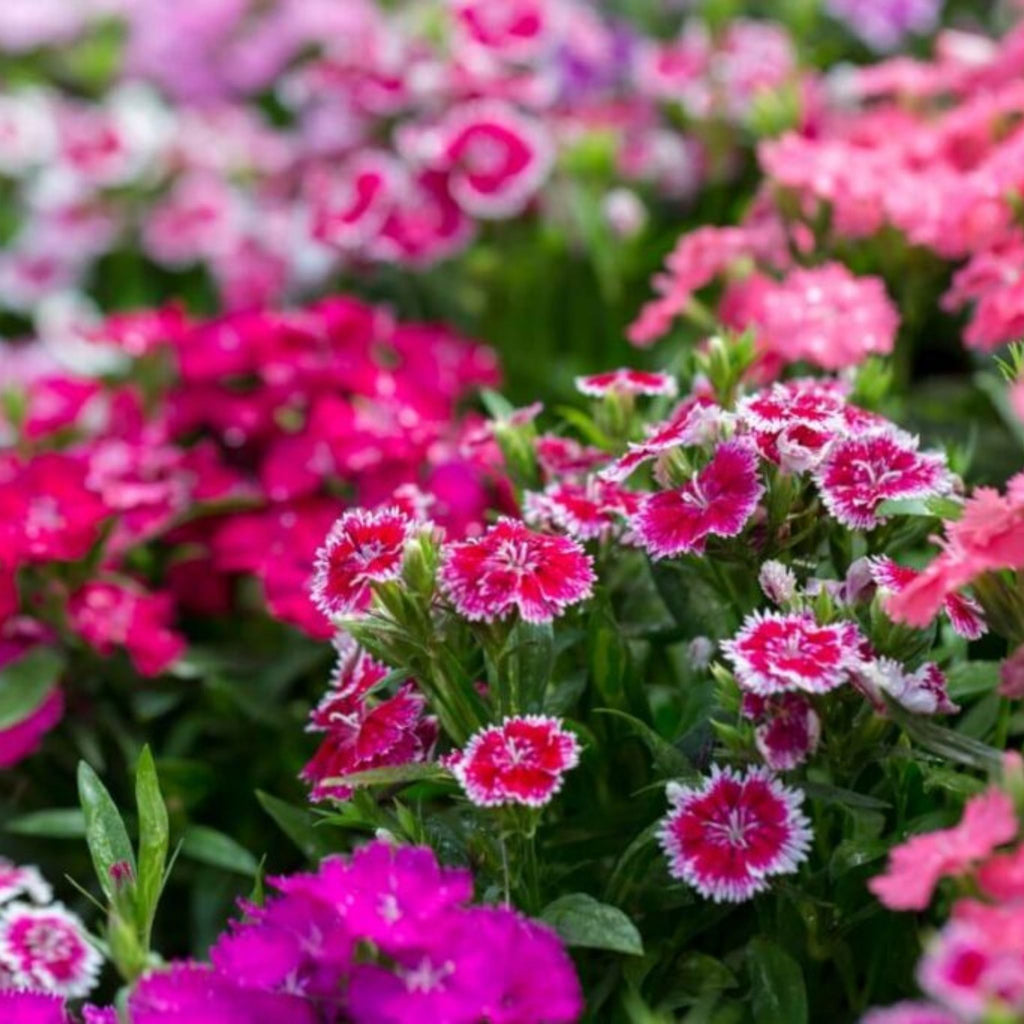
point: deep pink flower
(46, 948)
(627, 382)
(109, 616)
(22, 738)
(561, 456)
(917, 865)
(497, 158)
(965, 614)
(718, 501)
(517, 31)
(859, 473)
(910, 1013)
(591, 510)
(697, 421)
(787, 728)
(512, 567)
(363, 547)
(777, 652)
(521, 761)
(729, 835)
(23, 1007)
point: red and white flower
(775, 652)
(627, 382)
(924, 691)
(496, 157)
(46, 949)
(588, 511)
(729, 836)
(521, 761)
(787, 728)
(363, 547)
(859, 473)
(964, 612)
(513, 567)
(718, 501)
(20, 882)
(812, 402)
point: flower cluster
(972, 968)
(305, 954)
(233, 463)
(400, 135)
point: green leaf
(947, 744)
(669, 759)
(154, 838)
(581, 920)
(414, 772)
(104, 828)
(297, 824)
(209, 846)
(777, 992)
(62, 823)
(845, 797)
(26, 682)
(967, 679)
(932, 508)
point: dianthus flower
(787, 728)
(17, 881)
(513, 567)
(521, 761)
(804, 401)
(923, 691)
(109, 616)
(627, 382)
(859, 473)
(777, 652)
(910, 1013)
(363, 547)
(588, 511)
(917, 865)
(45, 948)
(717, 501)
(965, 614)
(728, 836)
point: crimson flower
(777, 653)
(363, 547)
(787, 728)
(511, 566)
(729, 835)
(859, 473)
(718, 501)
(627, 382)
(521, 761)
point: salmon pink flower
(859, 473)
(917, 865)
(521, 761)
(627, 382)
(730, 835)
(362, 548)
(777, 652)
(965, 614)
(513, 567)
(46, 948)
(718, 501)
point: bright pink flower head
(787, 731)
(859, 473)
(776, 652)
(1001, 877)
(521, 761)
(23, 738)
(588, 511)
(363, 547)
(916, 866)
(965, 614)
(24, 1007)
(728, 836)
(717, 502)
(351, 205)
(46, 948)
(910, 1013)
(518, 31)
(497, 158)
(696, 421)
(513, 567)
(627, 382)
(109, 616)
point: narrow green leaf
(777, 992)
(104, 828)
(967, 679)
(946, 743)
(581, 920)
(669, 759)
(415, 772)
(297, 824)
(209, 846)
(59, 823)
(26, 682)
(845, 797)
(154, 838)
